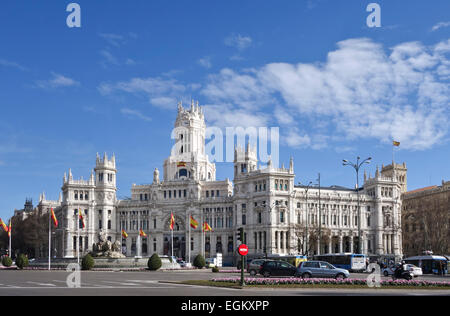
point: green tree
(154, 263)
(22, 261)
(6, 261)
(87, 263)
(199, 262)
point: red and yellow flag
(9, 229)
(142, 233)
(2, 223)
(206, 227)
(172, 221)
(194, 223)
(395, 143)
(55, 221)
(124, 234)
(80, 217)
(181, 164)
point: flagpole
(172, 247)
(189, 242)
(78, 237)
(10, 234)
(49, 239)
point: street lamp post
(356, 166)
(306, 222)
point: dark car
(254, 266)
(277, 268)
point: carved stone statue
(105, 248)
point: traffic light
(241, 234)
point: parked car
(210, 262)
(181, 262)
(416, 271)
(277, 268)
(254, 266)
(321, 269)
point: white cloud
(159, 92)
(440, 25)
(361, 91)
(205, 62)
(7, 63)
(113, 39)
(58, 81)
(134, 113)
(238, 41)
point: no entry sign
(243, 250)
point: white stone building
(266, 202)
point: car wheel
(266, 274)
(385, 273)
(252, 272)
(306, 275)
(340, 276)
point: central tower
(188, 159)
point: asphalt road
(53, 283)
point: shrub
(215, 269)
(22, 261)
(87, 263)
(6, 261)
(154, 263)
(199, 262)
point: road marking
(42, 284)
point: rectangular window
(184, 193)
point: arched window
(183, 173)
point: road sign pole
(242, 270)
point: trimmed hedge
(87, 263)
(199, 262)
(154, 263)
(22, 261)
(6, 261)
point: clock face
(101, 196)
(110, 196)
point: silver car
(321, 269)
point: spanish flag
(172, 221)
(55, 221)
(194, 223)
(395, 143)
(141, 233)
(80, 217)
(2, 223)
(206, 227)
(124, 234)
(181, 164)
(9, 229)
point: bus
(348, 261)
(430, 264)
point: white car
(416, 271)
(210, 262)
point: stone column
(330, 245)
(340, 244)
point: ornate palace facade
(274, 212)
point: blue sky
(335, 87)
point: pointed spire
(105, 158)
(377, 173)
(65, 178)
(365, 175)
(92, 179)
(291, 165)
(113, 159)
(60, 197)
(70, 175)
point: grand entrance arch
(179, 238)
